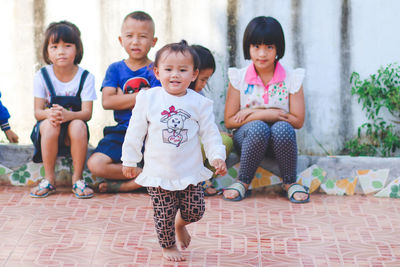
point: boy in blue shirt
(121, 84)
(5, 126)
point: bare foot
(118, 186)
(210, 191)
(183, 237)
(172, 254)
(300, 196)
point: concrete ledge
(337, 167)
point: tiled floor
(263, 230)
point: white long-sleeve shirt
(171, 127)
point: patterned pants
(256, 138)
(189, 201)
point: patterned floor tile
(262, 230)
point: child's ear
(155, 39)
(156, 73)
(120, 40)
(195, 74)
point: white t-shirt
(64, 89)
(172, 126)
(284, 82)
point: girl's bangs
(262, 35)
(63, 33)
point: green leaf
(377, 184)
(42, 173)
(330, 184)
(394, 188)
(232, 172)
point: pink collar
(253, 78)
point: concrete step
(21, 171)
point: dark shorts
(111, 144)
(63, 149)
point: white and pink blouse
(254, 94)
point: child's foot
(81, 189)
(172, 254)
(183, 237)
(210, 191)
(110, 186)
(44, 189)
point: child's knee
(283, 133)
(97, 161)
(282, 129)
(77, 130)
(48, 130)
(258, 133)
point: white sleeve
(136, 132)
(296, 80)
(39, 88)
(209, 133)
(89, 91)
(234, 77)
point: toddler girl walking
(171, 118)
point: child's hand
(11, 136)
(60, 113)
(242, 115)
(285, 116)
(55, 115)
(131, 172)
(220, 166)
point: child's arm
(134, 137)
(234, 117)
(64, 115)
(211, 138)
(57, 114)
(297, 110)
(4, 116)
(113, 98)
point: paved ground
(263, 230)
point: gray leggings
(256, 139)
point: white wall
(316, 44)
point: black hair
(264, 30)
(181, 47)
(207, 61)
(141, 16)
(68, 33)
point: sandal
(207, 185)
(298, 188)
(241, 189)
(44, 184)
(80, 185)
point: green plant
(381, 90)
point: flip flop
(298, 188)
(81, 185)
(44, 184)
(241, 189)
